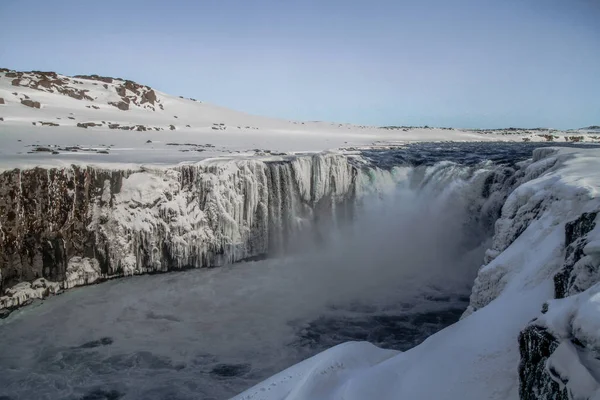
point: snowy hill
(47, 118)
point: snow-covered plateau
(52, 119)
(472, 268)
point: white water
(170, 333)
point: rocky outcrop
(1, 100)
(554, 346)
(31, 103)
(94, 77)
(77, 225)
(121, 105)
(580, 271)
(49, 82)
(130, 93)
(536, 345)
(518, 211)
(87, 124)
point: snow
(240, 135)
(169, 331)
(477, 357)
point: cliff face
(553, 211)
(560, 349)
(75, 225)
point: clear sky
(462, 63)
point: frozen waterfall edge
(77, 225)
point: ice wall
(75, 225)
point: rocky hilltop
(129, 92)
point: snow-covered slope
(545, 245)
(49, 119)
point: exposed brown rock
(120, 105)
(11, 75)
(31, 103)
(149, 97)
(16, 82)
(45, 83)
(46, 74)
(95, 77)
(87, 124)
(1, 100)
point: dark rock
(95, 78)
(172, 127)
(11, 75)
(102, 152)
(1, 100)
(536, 345)
(31, 103)
(575, 240)
(149, 97)
(121, 105)
(87, 124)
(148, 141)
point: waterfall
(77, 225)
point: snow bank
(477, 357)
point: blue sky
(463, 63)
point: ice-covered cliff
(64, 227)
(514, 341)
